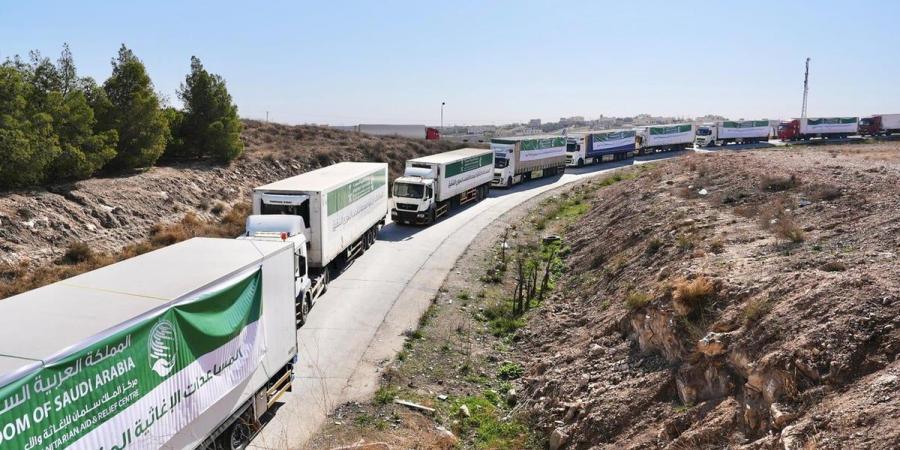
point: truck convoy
(818, 127)
(600, 146)
(330, 215)
(183, 347)
(725, 132)
(661, 138)
(879, 125)
(431, 185)
(518, 159)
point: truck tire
(580, 162)
(508, 181)
(237, 437)
(304, 311)
(432, 216)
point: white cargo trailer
(182, 347)
(410, 131)
(880, 124)
(432, 184)
(658, 138)
(522, 158)
(724, 132)
(844, 126)
(342, 207)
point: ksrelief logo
(162, 348)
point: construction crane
(805, 89)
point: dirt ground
(735, 299)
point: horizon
(297, 64)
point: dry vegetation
(732, 300)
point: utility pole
(805, 89)
(267, 117)
(442, 116)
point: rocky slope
(110, 213)
(740, 300)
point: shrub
(834, 266)
(755, 310)
(691, 294)
(785, 228)
(77, 252)
(510, 371)
(654, 245)
(825, 192)
(717, 245)
(772, 183)
(636, 300)
(385, 395)
(218, 208)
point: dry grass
(692, 294)
(776, 217)
(637, 300)
(774, 183)
(824, 192)
(80, 258)
(755, 310)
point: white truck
(522, 158)
(662, 138)
(331, 215)
(732, 131)
(599, 146)
(183, 347)
(431, 185)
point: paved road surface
(358, 325)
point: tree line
(56, 126)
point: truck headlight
(420, 215)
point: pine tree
(132, 109)
(210, 126)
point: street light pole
(442, 116)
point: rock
(703, 191)
(464, 411)
(781, 415)
(558, 439)
(442, 397)
(713, 344)
(446, 438)
(791, 438)
(512, 396)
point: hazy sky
(491, 61)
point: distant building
(534, 123)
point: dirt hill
(740, 300)
(36, 226)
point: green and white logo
(163, 348)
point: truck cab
(413, 195)
(575, 151)
(287, 228)
(789, 131)
(869, 126)
(504, 172)
(707, 135)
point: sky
(492, 62)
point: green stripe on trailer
(614, 136)
(673, 129)
(746, 124)
(541, 144)
(469, 164)
(345, 195)
(102, 388)
(831, 120)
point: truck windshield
(571, 147)
(407, 190)
(865, 122)
(500, 163)
(703, 131)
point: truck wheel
(237, 436)
(432, 217)
(508, 181)
(304, 311)
(580, 162)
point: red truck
(879, 124)
(432, 134)
(821, 127)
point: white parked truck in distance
(335, 211)
(431, 185)
(183, 347)
(661, 138)
(733, 131)
(522, 158)
(599, 146)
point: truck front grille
(407, 206)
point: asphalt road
(357, 326)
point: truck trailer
(431, 185)
(599, 146)
(879, 125)
(818, 127)
(335, 211)
(662, 138)
(183, 347)
(725, 132)
(410, 131)
(518, 159)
